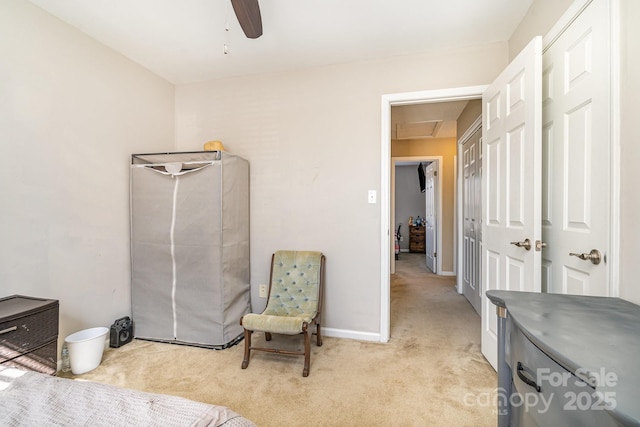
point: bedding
(34, 399)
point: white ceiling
(182, 40)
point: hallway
(428, 316)
(420, 298)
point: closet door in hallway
(472, 217)
(576, 146)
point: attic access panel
(426, 129)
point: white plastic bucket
(86, 348)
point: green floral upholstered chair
(294, 303)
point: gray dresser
(566, 360)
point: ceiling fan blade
(248, 14)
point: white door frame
(386, 242)
(392, 205)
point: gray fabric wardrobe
(190, 247)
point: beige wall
(445, 147)
(312, 137)
(540, 18)
(71, 113)
(468, 116)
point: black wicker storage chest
(29, 333)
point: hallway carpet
(430, 373)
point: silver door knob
(594, 256)
(524, 244)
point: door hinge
(435, 254)
(435, 173)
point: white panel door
(431, 177)
(472, 220)
(511, 184)
(576, 147)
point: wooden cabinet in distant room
(416, 239)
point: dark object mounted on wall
(421, 178)
(121, 332)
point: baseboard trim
(448, 273)
(354, 335)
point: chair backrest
(295, 287)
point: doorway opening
(416, 208)
(387, 252)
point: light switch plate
(372, 196)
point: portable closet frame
(190, 269)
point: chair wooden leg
(307, 352)
(318, 335)
(247, 348)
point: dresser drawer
(22, 334)
(417, 230)
(42, 359)
(546, 394)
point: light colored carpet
(431, 373)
